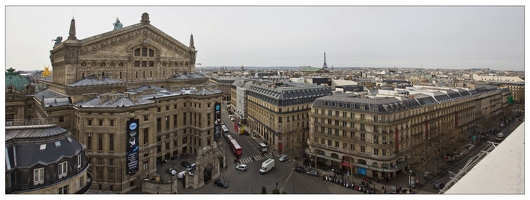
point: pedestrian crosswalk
(256, 158)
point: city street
(455, 167)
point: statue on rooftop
(118, 24)
(58, 40)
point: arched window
(361, 161)
(334, 155)
(374, 164)
(144, 57)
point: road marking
(285, 183)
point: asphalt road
(251, 181)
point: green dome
(13, 78)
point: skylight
(58, 144)
(42, 146)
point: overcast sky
(455, 37)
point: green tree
(263, 190)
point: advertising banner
(132, 145)
(217, 124)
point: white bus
(225, 129)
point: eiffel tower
(325, 65)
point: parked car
(191, 167)
(185, 164)
(312, 173)
(171, 171)
(241, 167)
(299, 170)
(283, 158)
(221, 183)
(438, 185)
(181, 174)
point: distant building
(490, 78)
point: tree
(263, 190)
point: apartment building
(382, 135)
(279, 112)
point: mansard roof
(95, 80)
(27, 146)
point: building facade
(44, 159)
(278, 113)
(384, 135)
(139, 75)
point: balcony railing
(30, 122)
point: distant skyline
(448, 37)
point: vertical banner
(132, 145)
(397, 140)
(217, 124)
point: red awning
(345, 164)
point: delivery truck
(266, 166)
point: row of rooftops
(105, 80)
(137, 96)
(288, 90)
(394, 102)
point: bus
(236, 149)
(225, 129)
(239, 128)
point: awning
(322, 156)
(345, 164)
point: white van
(267, 166)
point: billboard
(217, 124)
(132, 145)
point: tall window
(175, 122)
(63, 190)
(167, 122)
(111, 142)
(146, 135)
(63, 169)
(159, 124)
(100, 141)
(38, 176)
(89, 142)
(79, 162)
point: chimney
(89, 96)
(114, 97)
(103, 98)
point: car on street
(283, 158)
(171, 171)
(299, 170)
(499, 137)
(221, 183)
(241, 167)
(192, 167)
(185, 164)
(312, 173)
(181, 175)
(438, 185)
